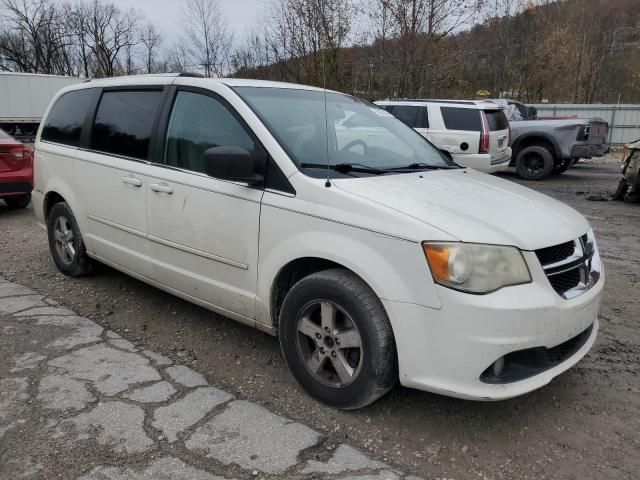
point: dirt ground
(585, 424)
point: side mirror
(231, 163)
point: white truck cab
(321, 219)
(472, 133)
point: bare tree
(77, 16)
(252, 55)
(207, 36)
(177, 59)
(151, 40)
(35, 38)
(306, 38)
(109, 32)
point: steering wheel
(355, 143)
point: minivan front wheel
(337, 340)
(65, 242)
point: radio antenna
(324, 91)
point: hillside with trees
(579, 51)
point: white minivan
(473, 133)
(370, 255)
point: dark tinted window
(415, 117)
(461, 119)
(199, 122)
(406, 114)
(497, 120)
(64, 122)
(123, 122)
(423, 118)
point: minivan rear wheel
(534, 163)
(337, 341)
(65, 242)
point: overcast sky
(165, 14)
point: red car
(16, 172)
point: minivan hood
(474, 207)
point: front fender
(395, 269)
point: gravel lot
(586, 424)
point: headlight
(476, 268)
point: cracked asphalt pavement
(78, 401)
(585, 424)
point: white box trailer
(24, 97)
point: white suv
(367, 252)
(472, 133)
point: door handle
(136, 182)
(161, 188)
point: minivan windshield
(353, 138)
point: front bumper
(447, 350)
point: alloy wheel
(329, 343)
(63, 238)
(533, 163)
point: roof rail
(443, 100)
(434, 100)
(190, 74)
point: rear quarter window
(66, 118)
(467, 119)
(497, 120)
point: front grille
(585, 241)
(565, 281)
(555, 254)
(571, 267)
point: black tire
(534, 163)
(73, 265)
(562, 166)
(621, 191)
(19, 202)
(374, 363)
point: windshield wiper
(421, 166)
(346, 168)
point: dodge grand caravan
(369, 254)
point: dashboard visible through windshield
(344, 134)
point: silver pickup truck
(542, 146)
